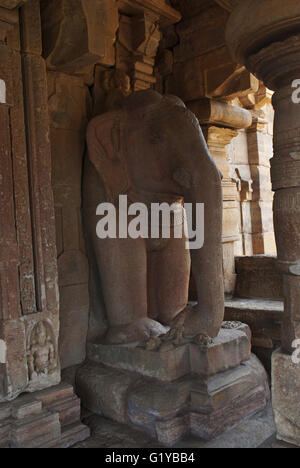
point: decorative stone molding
(138, 41)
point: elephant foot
(193, 322)
(136, 332)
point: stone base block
(231, 347)
(285, 397)
(207, 390)
(46, 419)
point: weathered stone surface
(258, 431)
(260, 284)
(68, 106)
(255, 23)
(285, 394)
(159, 8)
(228, 4)
(229, 349)
(210, 111)
(11, 4)
(50, 418)
(230, 396)
(104, 390)
(71, 29)
(201, 33)
(177, 362)
(212, 114)
(165, 366)
(168, 411)
(258, 277)
(28, 273)
(150, 297)
(270, 46)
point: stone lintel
(212, 112)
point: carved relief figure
(152, 149)
(41, 352)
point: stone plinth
(189, 388)
(46, 419)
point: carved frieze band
(285, 174)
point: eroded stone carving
(137, 151)
(41, 352)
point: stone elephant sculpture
(153, 150)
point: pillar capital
(213, 112)
(255, 24)
(278, 64)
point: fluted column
(263, 35)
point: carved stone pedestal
(189, 388)
(46, 419)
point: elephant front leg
(123, 269)
(207, 262)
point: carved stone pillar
(139, 36)
(263, 35)
(29, 300)
(28, 275)
(220, 123)
(259, 153)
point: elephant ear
(104, 138)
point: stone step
(258, 277)
(70, 435)
(264, 317)
(44, 419)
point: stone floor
(255, 432)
